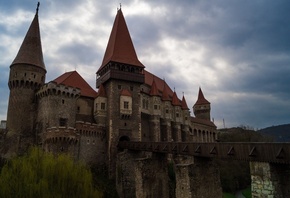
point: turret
(27, 75)
(201, 108)
(100, 107)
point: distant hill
(280, 133)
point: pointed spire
(154, 90)
(184, 104)
(102, 92)
(201, 99)
(165, 96)
(30, 51)
(175, 100)
(120, 47)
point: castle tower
(27, 75)
(201, 108)
(121, 74)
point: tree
(40, 174)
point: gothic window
(166, 111)
(62, 101)
(155, 107)
(177, 115)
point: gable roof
(30, 51)
(74, 79)
(125, 92)
(120, 47)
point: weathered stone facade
(67, 115)
(270, 180)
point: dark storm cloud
(237, 51)
(79, 53)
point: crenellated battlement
(53, 88)
(15, 83)
(61, 134)
(89, 129)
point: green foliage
(40, 174)
(228, 195)
(101, 181)
(247, 192)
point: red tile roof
(154, 90)
(30, 51)
(175, 100)
(125, 92)
(184, 104)
(120, 47)
(201, 99)
(102, 91)
(74, 79)
(160, 84)
(202, 121)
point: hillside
(280, 133)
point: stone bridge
(142, 168)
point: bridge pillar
(142, 177)
(198, 179)
(270, 180)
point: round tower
(27, 75)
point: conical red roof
(30, 51)
(74, 79)
(175, 100)
(102, 91)
(120, 47)
(165, 96)
(184, 104)
(154, 90)
(201, 99)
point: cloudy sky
(238, 52)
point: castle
(68, 115)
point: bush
(40, 174)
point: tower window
(119, 86)
(103, 106)
(62, 101)
(78, 109)
(155, 107)
(166, 111)
(126, 105)
(62, 121)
